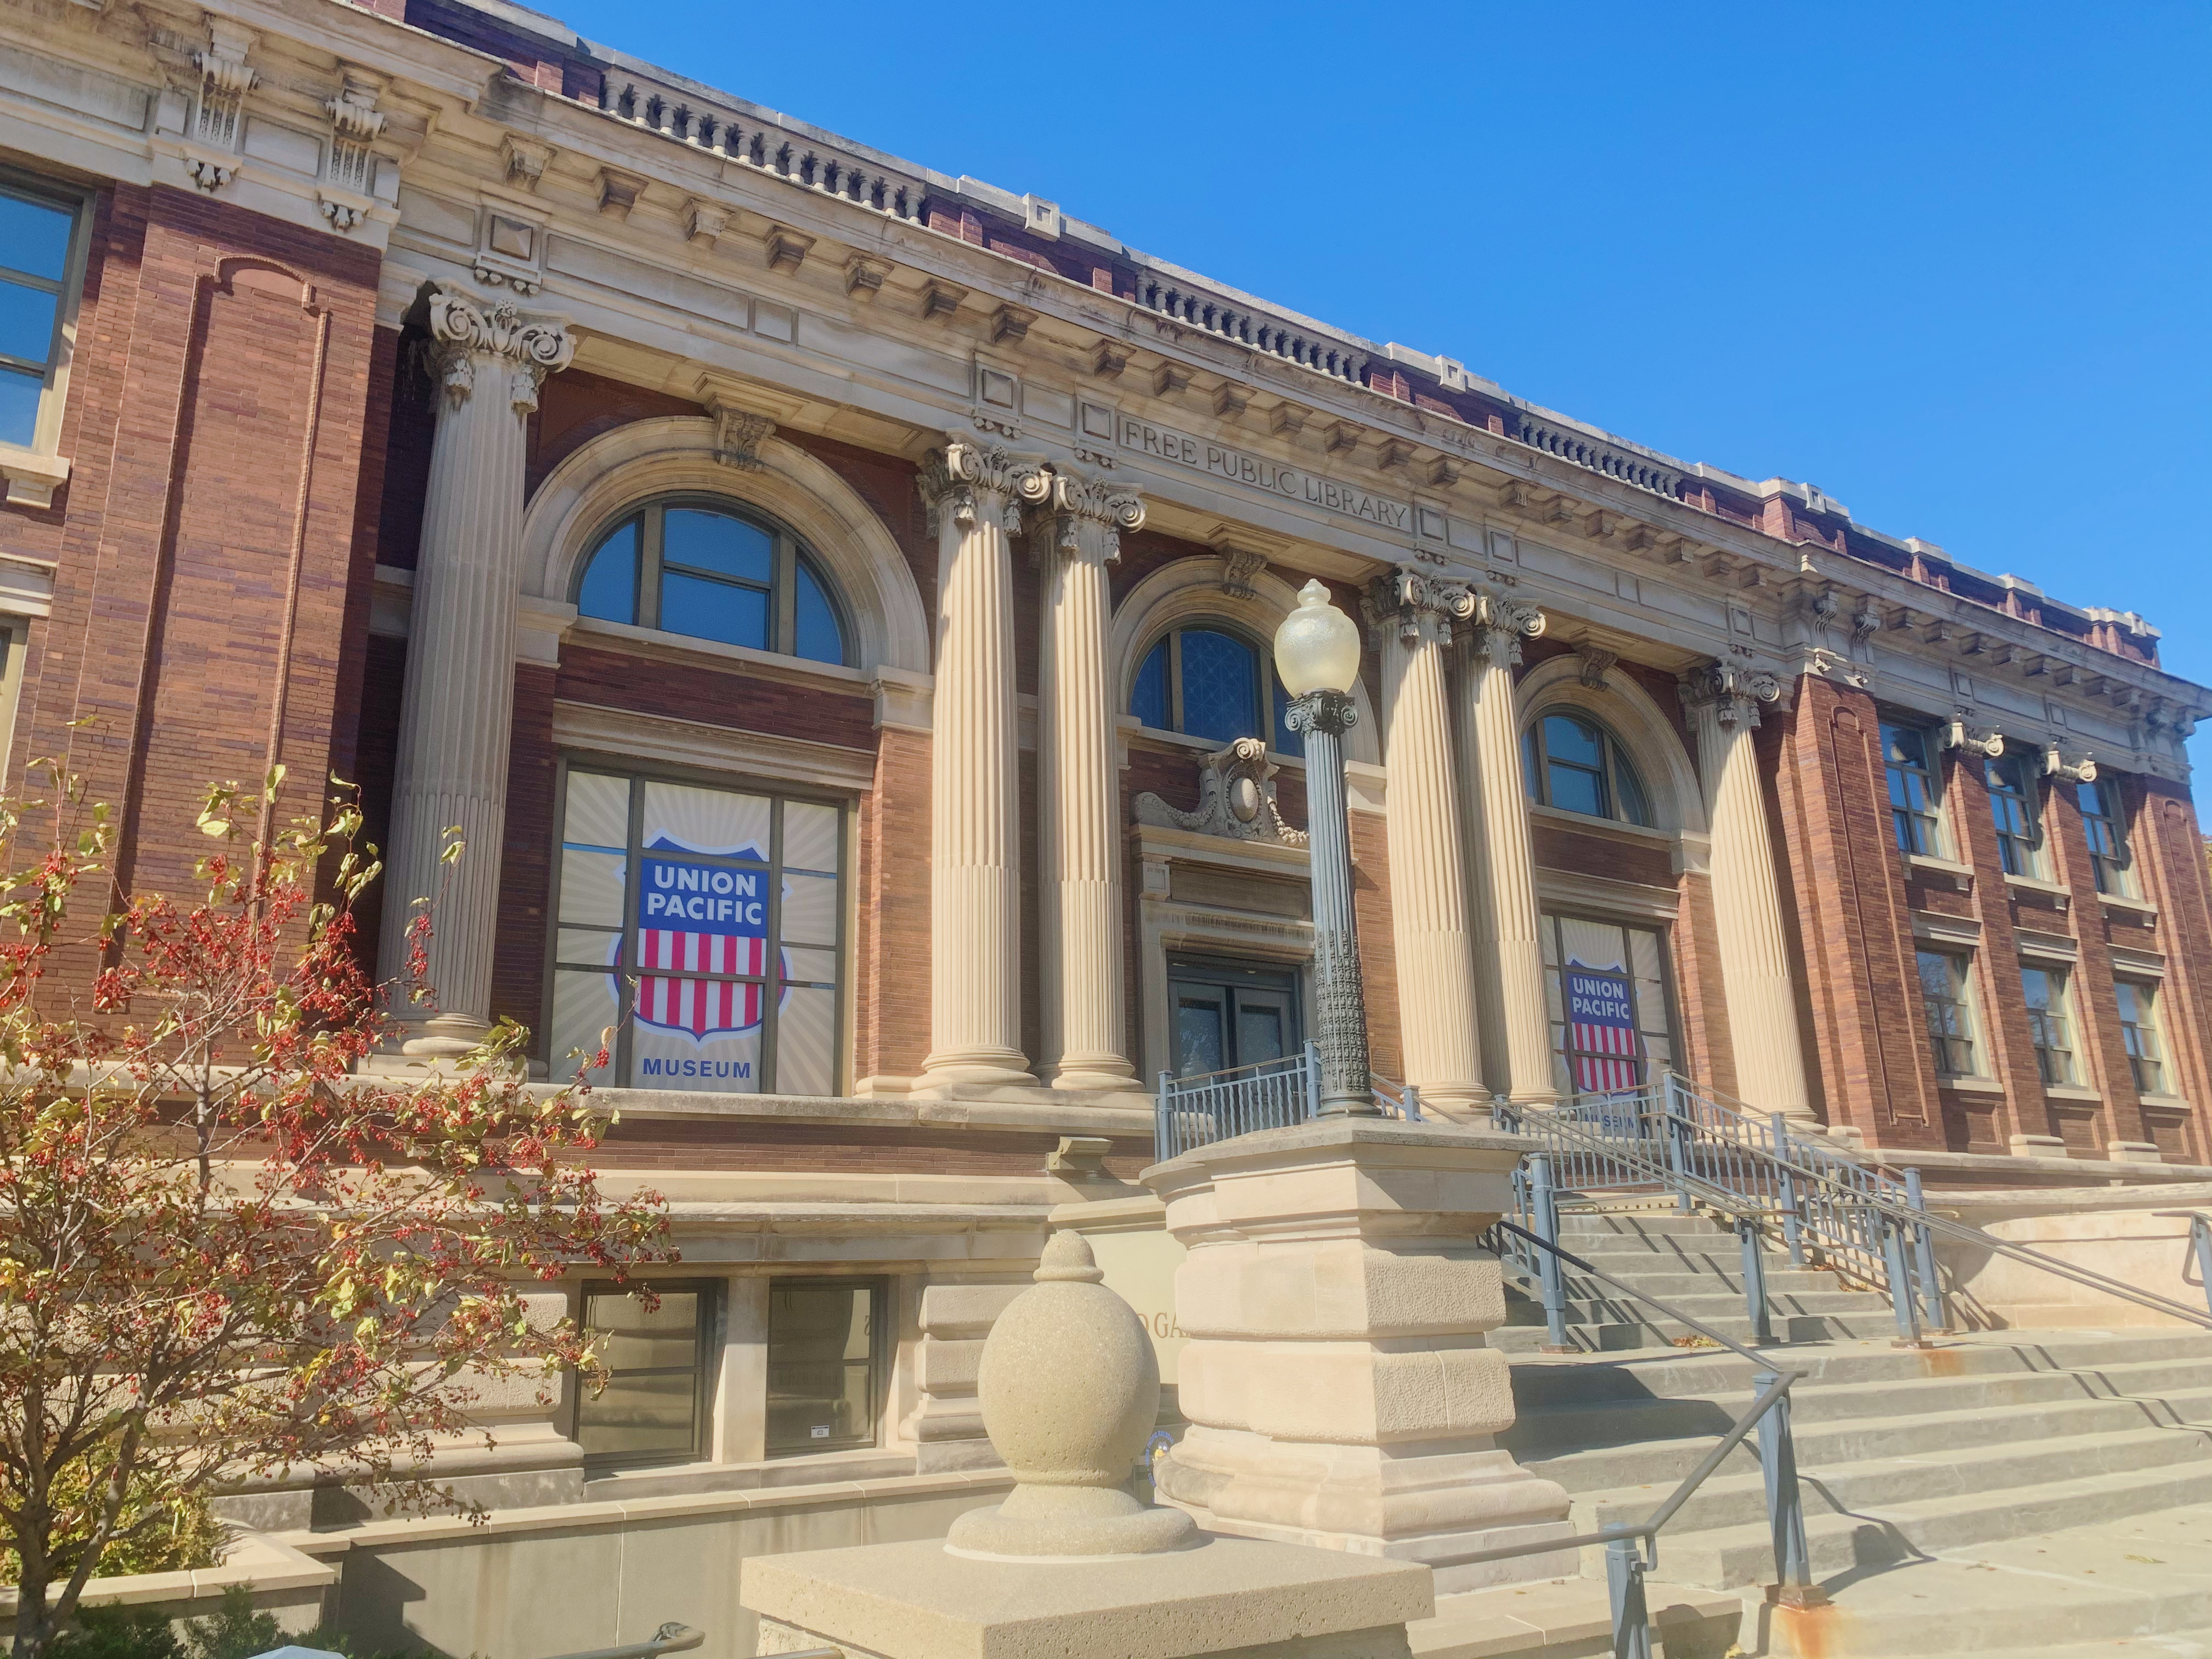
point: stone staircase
(1697, 1265)
(1955, 1497)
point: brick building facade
(694, 503)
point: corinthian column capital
(1497, 625)
(1089, 516)
(1733, 694)
(467, 336)
(1416, 607)
(975, 481)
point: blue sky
(1952, 263)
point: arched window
(1211, 683)
(1578, 766)
(713, 570)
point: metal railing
(1195, 1111)
(2200, 1245)
(1632, 1546)
(671, 1637)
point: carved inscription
(1293, 483)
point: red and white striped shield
(1602, 1039)
(696, 918)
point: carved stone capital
(1497, 626)
(1414, 606)
(1733, 694)
(1334, 712)
(1982, 742)
(2069, 765)
(973, 481)
(1090, 515)
(1236, 799)
(468, 336)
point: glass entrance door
(1230, 1013)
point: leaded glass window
(713, 570)
(1212, 682)
(705, 925)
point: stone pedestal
(1230, 1598)
(1336, 1378)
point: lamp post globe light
(1317, 654)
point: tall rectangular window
(705, 926)
(825, 1364)
(2013, 809)
(1949, 1015)
(2105, 828)
(2050, 1026)
(1611, 1005)
(2139, 1035)
(1913, 818)
(38, 233)
(660, 1366)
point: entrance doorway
(1230, 1013)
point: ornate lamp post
(1317, 654)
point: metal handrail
(1632, 1546)
(671, 1637)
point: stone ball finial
(1070, 1388)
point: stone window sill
(1971, 1085)
(2036, 885)
(32, 477)
(2073, 1092)
(1929, 862)
(2142, 908)
(1587, 824)
(2168, 1103)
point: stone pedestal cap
(1069, 1389)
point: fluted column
(1412, 617)
(976, 495)
(1762, 1006)
(459, 700)
(1509, 952)
(1079, 790)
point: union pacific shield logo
(699, 919)
(1605, 1044)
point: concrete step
(1739, 1499)
(1594, 1335)
(1662, 1463)
(1727, 1557)
(2139, 1587)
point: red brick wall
(891, 953)
(574, 407)
(1707, 1052)
(2169, 853)
(525, 868)
(611, 679)
(1855, 937)
(1379, 955)
(204, 542)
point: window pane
(806, 1042)
(1219, 678)
(668, 1055)
(584, 1005)
(1635, 805)
(1529, 777)
(591, 888)
(589, 947)
(820, 638)
(641, 1417)
(27, 321)
(1573, 790)
(1201, 1039)
(801, 965)
(709, 610)
(610, 586)
(1904, 746)
(631, 1338)
(1259, 1034)
(1286, 741)
(598, 812)
(1572, 740)
(34, 236)
(1148, 697)
(19, 407)
(680, 818)
(821, 1391)
(716, 542)
(809, 837)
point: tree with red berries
(225, 1251)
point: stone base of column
(1126, 1097)
(1093, 1073)
(1436, 1508)
(428, 1043)
(968, 1067)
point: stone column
(1336, 1378)
(1079, 790)
(1762, 1006)
(459, 701)
(1508, 953)
(1411, 615)
(976, 495)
